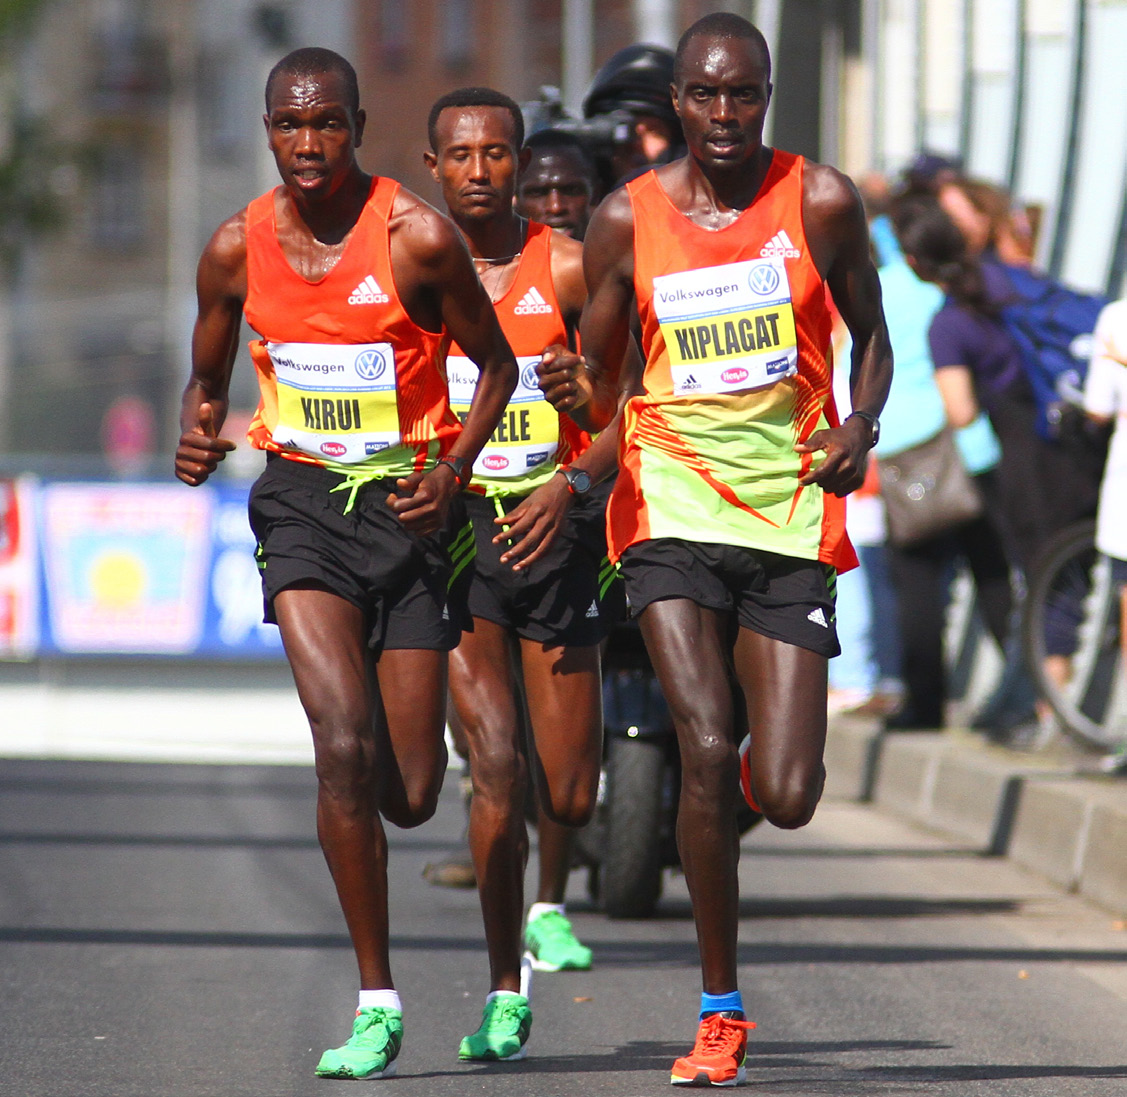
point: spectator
(990, 222)
(634, 85)
(921, 572)
(1105, 400)
(1042, 485)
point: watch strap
(463, 471)
(871, 419)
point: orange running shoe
(745, 774)
(717, 1058)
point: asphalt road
(170, 931)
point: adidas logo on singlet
(368, 293)
(780, 246)
(532, 304)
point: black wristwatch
(463, 470)
(874, 425)
(578, 481)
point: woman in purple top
(1042, 486)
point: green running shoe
(553, 944)
(377, 1035)
(505, 1024)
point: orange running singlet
(736, 335)
(347, 379)
(532, 440)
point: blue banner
(147, 570)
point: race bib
(336, 401)
(529, 431)
(728, 328)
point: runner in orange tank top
(351, 283)
(727, 511)
(530, 482)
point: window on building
(394, 34)
(117, 198)
(457, 34)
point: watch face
(577, 480)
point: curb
(1039, 813)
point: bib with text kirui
(529, 431)
(336, 400)
(728, 328)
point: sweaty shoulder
(827, 191)
(613, 217)
(224, 259)
(419, 233)
(833, 217)
(567, 271)
(609, 243)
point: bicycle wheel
(1070, 635)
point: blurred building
(153, 110)
(147, 120)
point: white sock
(380, 999)
(501, 994)
(538, 909)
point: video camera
(601, 134)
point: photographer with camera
(628, 123)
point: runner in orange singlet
(352, 284)
(727, 516)
(549, 613)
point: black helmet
(635, 79)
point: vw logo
(529, 378)
(370, 364)
(763, 280)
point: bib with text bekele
(529, 431)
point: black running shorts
(570, 597)
(412, 594)
(780, 597)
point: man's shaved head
(721, 24)
(315, 61)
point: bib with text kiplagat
(728, 328)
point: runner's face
(722, 97)
(555, 190)
(312, 133)
(476, 161)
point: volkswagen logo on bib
(763, 280)
(370, 364)
(529, 378)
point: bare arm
(220, 292)
(532, 526)
(591, 396)
(839, 241)
(956, 386)
(442, 272)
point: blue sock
(721, 1003)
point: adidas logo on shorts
(780, 246)
(532, 304)
(593, 611)
(368, 293)
(818, 617)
